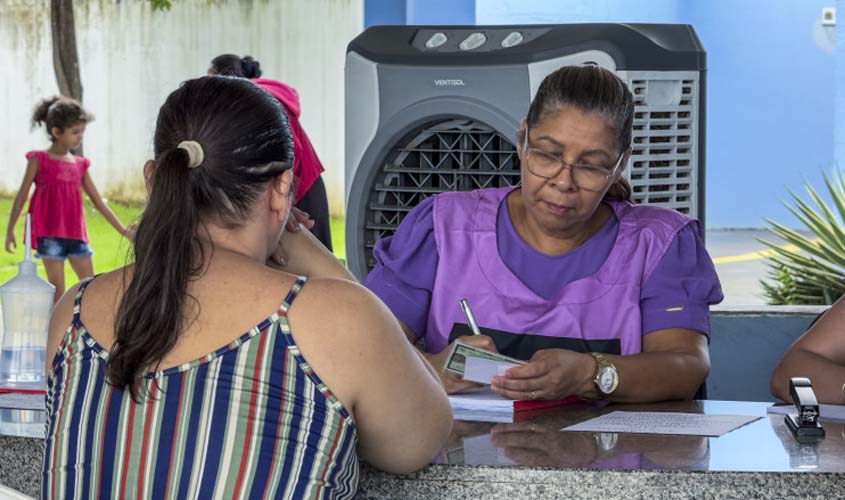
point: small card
(456, 362)
(483, 370)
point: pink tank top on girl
(56, 205)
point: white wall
(131, 58)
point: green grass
(339, 237)
(110, 249)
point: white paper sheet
(22, 401)
(826, 411)
(647, 422)
(483, 370)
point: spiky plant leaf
(812, 270)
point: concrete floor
(740, 269)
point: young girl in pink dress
(58, 219)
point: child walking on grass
(58, 218)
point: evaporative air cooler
(432, 109)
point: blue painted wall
(419, 12)
(772, 85)
(770, 103)
(839, 118)
(378, 12)
(441, 11)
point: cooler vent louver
(662, 165)
(452, 155)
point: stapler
(805, 425)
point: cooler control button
(436, 40)
(514, 38)
(473, 41)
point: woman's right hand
(298, 217)
(11, 242)
(290, 243)
(451, 382)
(301, 253)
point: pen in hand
(473, 325)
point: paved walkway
(740, 262)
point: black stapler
(805, 425)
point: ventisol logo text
(449, 82)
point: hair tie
(195, 153)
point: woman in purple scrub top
(603, 298)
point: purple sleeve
(403, 276)
(679, 292)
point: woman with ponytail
(602, 298)
(205, 368)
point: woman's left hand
(550, 374)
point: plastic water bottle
(27, 301)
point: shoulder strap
(291, 296)
(77, 301)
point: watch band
(602, 362)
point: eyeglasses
(586, 176)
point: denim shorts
(61, 248)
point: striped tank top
(249, 420)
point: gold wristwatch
(606, 378)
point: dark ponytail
(620, 190)
(232, 65)
(59, 112)
(154, 301)
(246, 142)
(39, 114)
(591, 89)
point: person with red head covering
(310, 195)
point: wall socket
(829, 16)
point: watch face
(607, 380)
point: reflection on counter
(534, 439)
(806, 456)
(22, 423)
(531, 458)
(538, 442)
